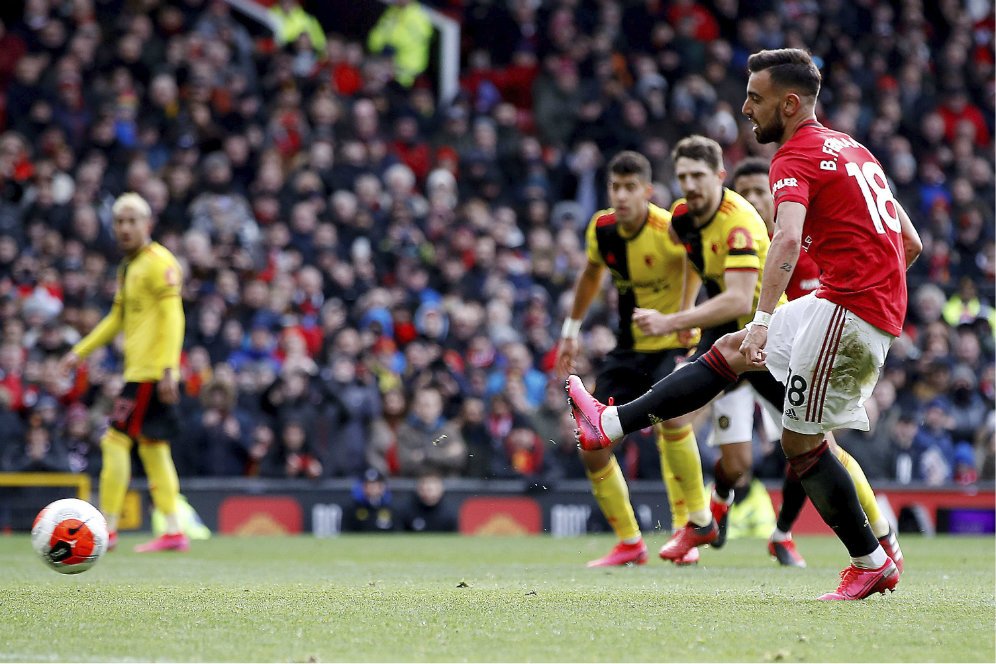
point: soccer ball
(70, 535)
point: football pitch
(450, 598)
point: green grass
(399, 598)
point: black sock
(743, 489)
(768, 387)
(833, 494)
(723, 483)
(685, 390)
(793, 498)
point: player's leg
(157, 422)
(608, 485)
(164, 485)
(115, 474)
(682, 392)
(829, 361)
(675, 495)
(869, 503)
(680, 455)
(832, 491)
(680, 452)
(733, 427)
(781, 546)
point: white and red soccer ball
(70, 535)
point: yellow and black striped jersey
(735, 238)
(647, 270)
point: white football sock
(112, 522)
(701, 517)
(172, 523)
(610, 423)
(779, 536)
(880, 528)
(873, 560)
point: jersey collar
(636, 234)
(722, 199)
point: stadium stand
(349, 242)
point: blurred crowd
(375, 279)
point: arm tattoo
(787, 267)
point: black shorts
(627, 374)
(139, 412)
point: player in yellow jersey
(726, 242)
(147, 308)
(633, 242)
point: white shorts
(829, 361)
(733, 417)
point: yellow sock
(675, 495)
(683, 460)
(866, 495)
(609, 488)
(114, 475)
(164, 485)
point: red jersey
(852, 229)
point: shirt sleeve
(165, 285)
(170, 334)
(741, 249)
(591, 240)
(165, 279)
(104, 332)
(790, 180)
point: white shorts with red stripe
(829, 361)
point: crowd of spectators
(376, 279)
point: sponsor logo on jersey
(784, 182)
(809, 284)
(740, 238)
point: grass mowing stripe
(397, 598)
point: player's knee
(114, 438)
(737, 459)
(729, 346)
(794, 443)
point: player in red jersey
(750, 180)
(832, 198)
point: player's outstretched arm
(588, 284)
(101, 335)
